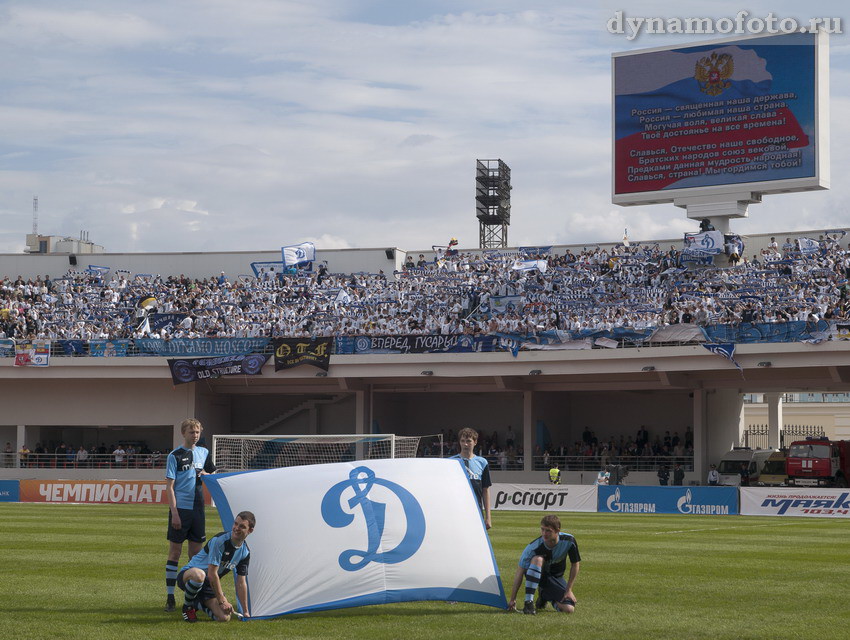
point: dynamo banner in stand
(810, 502)
(192, 370)
(543, 497)
(430, 343)
(290, 352)
(200, 347)
(387, 530)
(32, 353)
(7, 347)
(160, 321)
(108, 348)
(706, 501)
(750, 332)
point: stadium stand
(528, 299)
(637, 288)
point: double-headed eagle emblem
(712, 73)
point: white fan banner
(543, 497)
(331, 536)
(296, 254)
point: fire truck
(818, 462)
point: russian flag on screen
(650, 87)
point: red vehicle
(818, 462)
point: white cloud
(206, 124)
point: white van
(730, 465)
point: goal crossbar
(236, 452)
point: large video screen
(746, 114)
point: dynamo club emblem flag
(349, 534)
(298, 254)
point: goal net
(243, 452)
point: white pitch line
(753, 526)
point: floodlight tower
(35, 215)
(492, 202)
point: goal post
(235, 452)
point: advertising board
(96, 491)
(542, 497)
(684, 500)
(810, 502)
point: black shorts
(554, 589)
(192, 526)
(206, 592)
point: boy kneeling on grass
(201, 578)
(542, 564)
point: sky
(224, 125)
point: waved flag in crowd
(97, 270)
(342, 297)
(147, 301)
(808, 246)
(530, 265)
(707, 242)
(297, 254)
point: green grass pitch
(78, 571)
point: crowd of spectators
(70, 456)
(639, 286)
(505, 452)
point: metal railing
(94, 461)
(591, 463)
(497, 463)
(758, 436)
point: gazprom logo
(685, 505)
(613, 503)
(362, 480)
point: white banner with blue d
(707, 242)
(298, 254)
(342, 535)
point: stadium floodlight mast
(492, 203)
(236, 452)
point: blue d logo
(362, 479)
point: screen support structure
(719, 208)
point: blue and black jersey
(184, 467)
(219, 551)
(478, 472)
(555, 559)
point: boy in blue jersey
(542, 564)
(184, 490)
(200, 580)
(477, 469)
